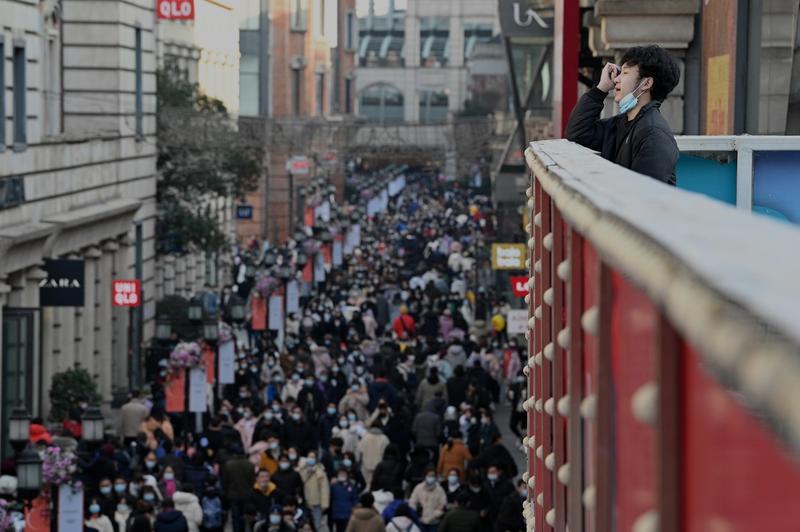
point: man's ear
(648, 83)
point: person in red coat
(404, 326)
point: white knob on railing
(589, 497)
(531, 243)
(550, 461)
(537, 220)
(644, 404)
(531, 204)
(563, 406)
(525, 439)
(563, 338)
(590, 320)
(526, 370)
(527, 334)
(529, 192)
(540, 499)
(563, 270)
(532, 442)
(563, 474)
(538, 359)
(647, 522)
(531, 323)
(548, 297)
(532, 362)
(547, 241)
(540, 453)
(537, 313)
(527, 299)
(531, 283)
(589, 407)
(549, 406)
(527, 264)
(531, 482)
(550, 517)
(549, 351)
(538, 405)
(537, 266)
(529, 229)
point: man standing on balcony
(639, 137)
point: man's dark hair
(366, 500)
(657, 63)
(167, 504)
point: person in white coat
(189, 505)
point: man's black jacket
(648, 146)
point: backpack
(213, 515)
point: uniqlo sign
(127, 293)
(520, 286)
(176, 9)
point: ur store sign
(520, 286)
(176, 9)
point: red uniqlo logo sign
(520, 286)
(127, 293)
(176, 9)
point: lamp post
(236, 309)
(19, 425)
(195, 310)
(29, 475)
(163, 329)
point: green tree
(69, 388)
(202, 158)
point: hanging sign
(508, 256)
(517, 321)
(337, 252)
(227, 362)
(319, 268)
(275, 313)
(126, 293)
(175, 391)
(519, 284)
(176, 9)
(70, 507)
(63, 285)
(209, 359)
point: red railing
(664, 368)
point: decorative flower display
(6, 521)
(186, 355)
(225, 333)
(58, 466)
(266, 285)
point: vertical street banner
(308, 272)
(198, 388)
(70, 507)
(319, 268)
(209, 359)
(337, 251)
(292, 297)
(326, 254)
(259, 314)
(227, 362)
(175, 391)
(275, 313)
(357, 235)
(308, 217)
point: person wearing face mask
(327, 422)
(452, 486)
(268, 460)
(246, 426)
(292, 388)
(238, 478)
(316, 488)
(639, 137)
(263, 497)
(151, 465)
(344, 497)
(310, 400)
(287, 479)
(169, 484)
(430, 500)
(122, 513)
(299, 433)
(370, 450)
(498, 487)
(106, 497)
(356, 400)
(95, 518)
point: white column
(103, 358)
(169, 275)
(200, 269)
(159, 280)
(191, 274)
(91, 292)
(180, 276)
(120, 354)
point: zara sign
(63, 285)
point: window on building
(250, 15)
(433, 107)
(297, 90)
(52, 90)
(20, 91)
(350, 31)
(475, 34)
(434, 38)
(319, 17)
(319, 80)
(348, 96)
(18, 356)
(2, 94)
(299, 14)
(381, 103)
(138, 77)
(249, 85)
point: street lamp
(29, 474)
(210, 331)
(92, 425)
(163, 329)
(19, 426)
(237, 310)
(195, 310)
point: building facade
(414, 58)
(77, 181)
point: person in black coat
(170, 519)
(498, 487)
(509, 518)
(639, 137)
(297, 432)
(287, 479)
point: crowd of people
(374, 411)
